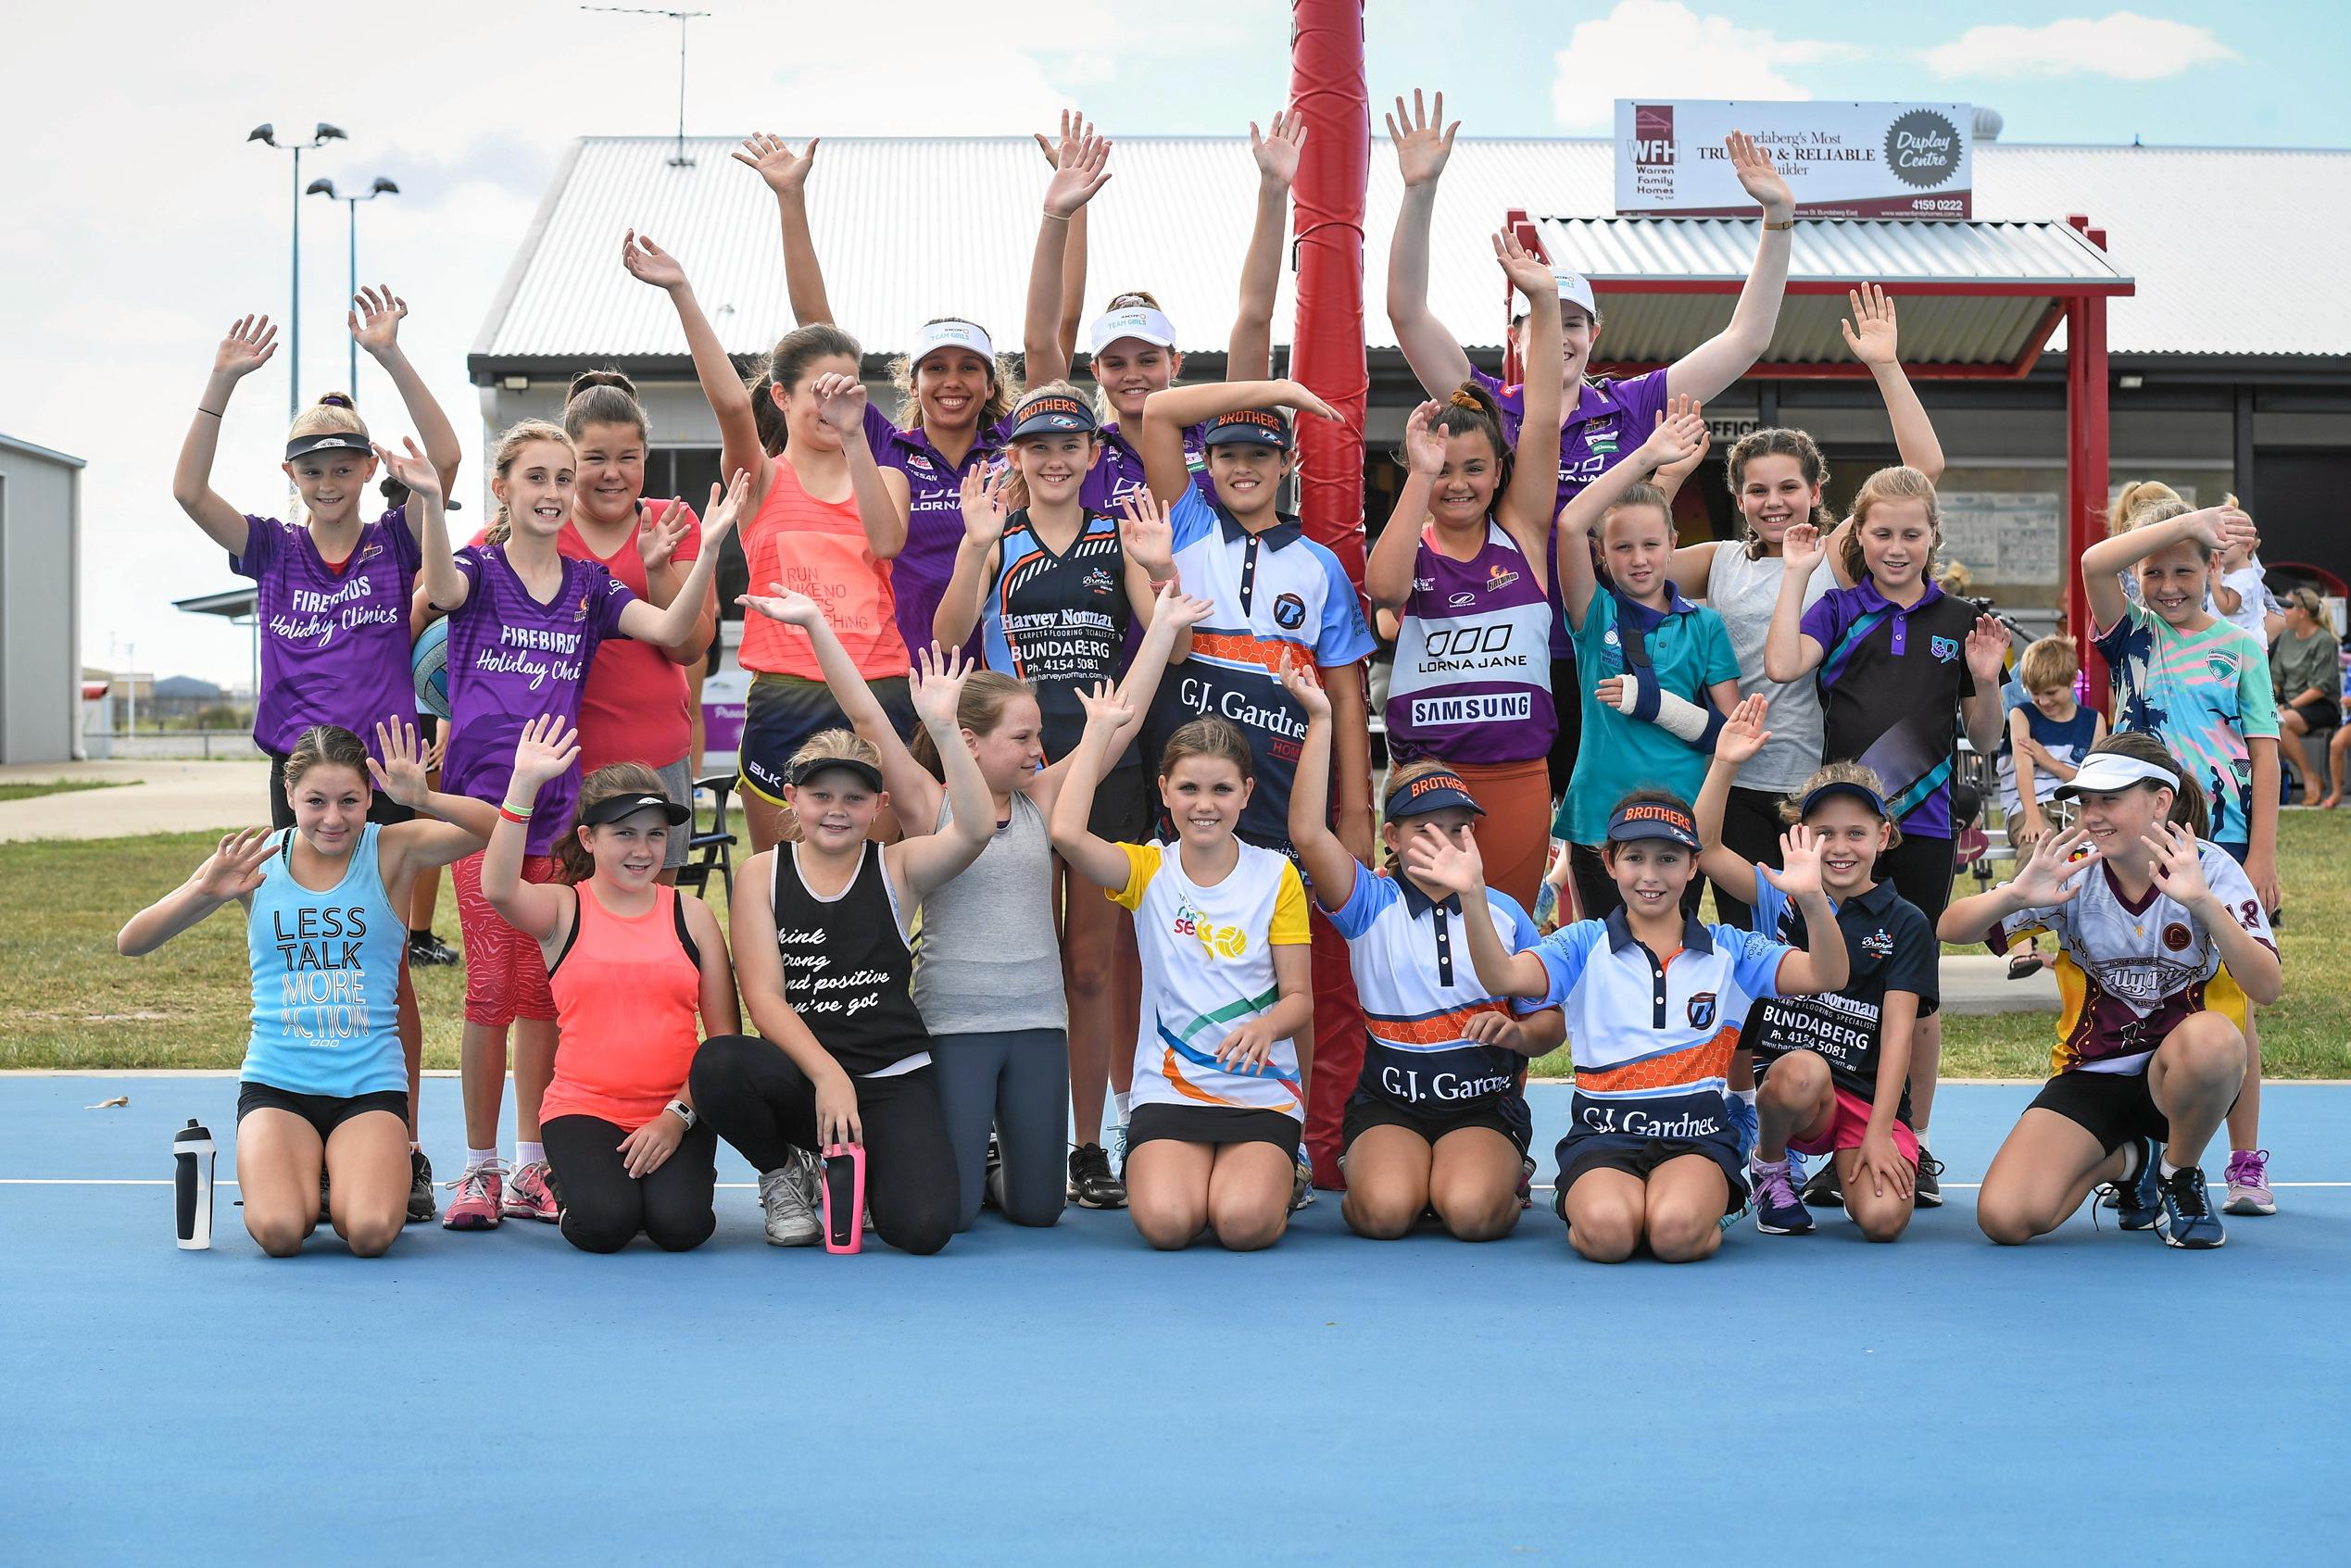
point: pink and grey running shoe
(475, 1207)
(530, 1194)
(2249, 1184)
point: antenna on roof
(679, 161)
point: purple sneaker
(2249, 1184)
(1778, 1212)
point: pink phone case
(845, 1198)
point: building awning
(234, 604)
(1973, 299)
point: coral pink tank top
(817, 548)
(628, 997)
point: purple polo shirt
(334, 643)
(1609, 423)
(934, 515)
(1120, 473)
(511, 659)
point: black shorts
(1124, 806)
(1640, 1158)
(781, 713)
(2113, 1108)
(1213, 1125)
(2323, 714)
(1507, 1116)
(325, 1112)
(1559, 763)
(382, 808)
(1920, 870)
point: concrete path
(143, 797)
(1977, 984)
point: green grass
(54, 786)
(67, 999)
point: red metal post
(2086, 442)
(1329, 91)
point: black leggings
(1750, 830)
(604, 1206)
(751, 1095)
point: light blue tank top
(326, 980)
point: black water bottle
(192, 1154)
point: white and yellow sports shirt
(1208, 968)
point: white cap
(936, 335)
(2105, 773)
(1575, 289)
(1142, 322)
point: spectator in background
(2306, 671)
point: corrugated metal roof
(2220, 241)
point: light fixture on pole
(382, 187)
(267, 135)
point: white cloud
(2125, 45)
(1664, 48)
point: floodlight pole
(267, 135)
(383, 187)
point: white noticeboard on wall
(2015, 538)
(1841, 159)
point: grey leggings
(1017, 1081)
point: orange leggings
(1514, 836)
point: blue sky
(146, 223)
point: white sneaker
(788, 1195)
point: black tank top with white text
(847, 965)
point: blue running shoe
(2135, 1198)
(1778, 1212)
(2186, 1217)
(1744, 1118)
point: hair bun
(588, 379)
(1462, 399)
(337, 400)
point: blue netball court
(1071, 1396)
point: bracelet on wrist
(214, 413)
(1779, 228)
(514, 813)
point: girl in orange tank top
(827, 520)
(638, 974)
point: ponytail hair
(1470, 410)
(334, 411)
(328, 745)
(1897, 484)
(786, 367)
(601, 398)
(523, 433)
(2148, 501)
(574, 863)
(979, 708)
(2188, 807)
(1777, 443)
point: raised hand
(782, 605)
(234, 866)
(2177, 864)
(784, 170)
(1307, 692)
(412, 468)
(983, 502)
(1299, 395)
(375, 318)
(1528, 272)
(936, 684)
(1454, 867)
(1680, 468)
(1986, 648)
(1801, 547)
(1278, 150)
(405, 762)
(840, 405)
(1742, 732)
(725, 506)
(657, 540)
(1423, 141)
(1178, 610)
(2051, 875)
(1759, 179)
(1425, 445)
(546, 749)
(1799, 874)
(1146, 533)
(246, 348)
(1080, 166)
(1869, 331)
(1680, 435)
(1104, 707)
(648, 263)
